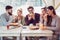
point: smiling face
(50, 12)
(30, 10)
(43, 11)
(19, 12)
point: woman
(19, 18)
(53, 21)
(43, 15)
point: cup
(7, 26)
(41, 26)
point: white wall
(25, 11)
(24, 7)
(58, 9)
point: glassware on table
(41, 26)
(31, 25)
(8, 26)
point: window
(18, 3)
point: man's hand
(13, 24)
(31, 16)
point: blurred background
(37, 4)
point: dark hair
(8, 7)
(52, 8)
(45, 8)
(30, 7)
(49, 18)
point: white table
(11, 32)
(27, 32)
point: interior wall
(26, 4)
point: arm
(26, 20)
(57, 25)
(37, 16)
(3, 21)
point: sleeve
(26, 20)
(37, 18)
(3, 21)
(23, 21)
(57, 25)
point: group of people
(48, 18)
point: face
(19, 13)
(30, 10)
(9, 11)
(43, 11)
(49, 12)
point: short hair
(30, 7)
(8, 7)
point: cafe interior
(29, 19)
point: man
(32, 18)
(6, 18)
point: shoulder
(23, 17)
(37, 14)
(2, 15)
(57, 18)
(27, 15)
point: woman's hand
(42, 27)
(45, 17)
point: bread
(33, 28)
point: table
(11, 32)
(27, 32)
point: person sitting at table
(52, 21)
(32, 18)
(19, 18)
(6, 18)
(43, 15)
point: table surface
(3, 29)
(22, 30)
(27, 30)
(10, 32)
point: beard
(9, 13)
